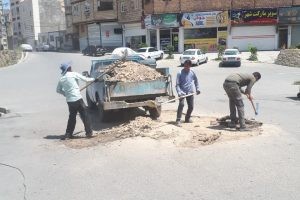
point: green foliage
(170, 50)
(221, 50)
(142, 45)
(298, 46)
(253, 51)
(204, 49)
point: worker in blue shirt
(185, 83)
(68, 87)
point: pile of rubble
(131, 72)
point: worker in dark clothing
(68, 87)
(233, 86)
(185, 83)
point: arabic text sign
(289, 15)
(204, 19)
(255, 16)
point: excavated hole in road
(203, 131)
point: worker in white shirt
(68, 87)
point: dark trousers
(190, 103)
(235, 102)
(74, 108)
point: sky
(6, 4)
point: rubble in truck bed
(130, 71)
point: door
(175, 41)
(283, 38)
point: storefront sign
(289, 15)
(204, 19)
(161, 21)
(208, 44)
(255, 16)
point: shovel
(156, 106)
(255, 109)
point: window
(123, 6)
(136, 4)
(103, 5)
(151, 49)
(51, 38)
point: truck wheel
(104, 115)
(90, 104)
(298, 95)
(155, 112)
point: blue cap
(64, 67)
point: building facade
(38, 21)
(96, 23)
(207, 24)
(3, 28)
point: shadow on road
(294, 98)
(115, 118)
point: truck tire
(104, 115)
(155, 112)
(90, 104)
(298, 95)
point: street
(261, 167)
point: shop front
(255, 27)
(134, 35)
(289, 27)
(204, 30)
(162, 31)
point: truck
(107, 96)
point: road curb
(23, 57)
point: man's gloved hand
(96, 80)
(198, 92)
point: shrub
(221, 50)
(253, 51)
(170, 50)
(142, 45)
(298, 46)
(204, 49)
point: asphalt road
(263, 167)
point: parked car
(231, 57)
(151, 62)
(26, 47)
(93, 50)
(195, 55)
(151, 52)
(120, 51)
(43, 47)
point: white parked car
(43, 47)
(231, 57)
(195, 55)
(26, 47)
(151, 52)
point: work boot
(188, 121)
(231, 125)
(178, 123)
(89, 135)
(244, 128)
(67, 136)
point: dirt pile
(130, 71)
(203, 131)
